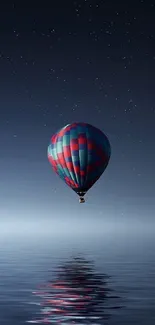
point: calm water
(26, 263)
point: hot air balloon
(79, 153)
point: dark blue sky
(66, 61)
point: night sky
(87, 61)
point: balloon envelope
(79, 153)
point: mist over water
(30, 251)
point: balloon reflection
(78, 295)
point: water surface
(29, 261)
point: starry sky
(66, 61)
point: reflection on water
(77, 295)
(128, 261)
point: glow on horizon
(71, 226)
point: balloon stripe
(74, 149)
(70, 161)
(66, 161)
(82, 155)
(57, 151)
